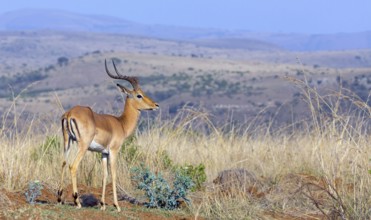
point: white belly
(96, 147)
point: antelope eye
(139, 96)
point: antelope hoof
(78, 206)
(103, 208)
(77, 200)
(118, 208)
(60, 193)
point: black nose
(157, 105)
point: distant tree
(63, 61)
(116, 60)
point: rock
(238, 181)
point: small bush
(116, 60)
(158, 191)
(34, 190)
(62, 61)
(129, 150)
(49, 148)
(165, 160)
(196, 173)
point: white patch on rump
(96, 147)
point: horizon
(305, 17)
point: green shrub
(33, 191)
(158, 191)
(62, 61)
(165, 160)
(48, 149)
(196, 173)
(131, 154)
(129, 150)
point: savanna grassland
(291, 134)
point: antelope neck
(129, 117)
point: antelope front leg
(113, 159)
(105, 174)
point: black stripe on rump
(77, 128)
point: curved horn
(131, 79)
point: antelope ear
(124, 89)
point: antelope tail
(70, 131)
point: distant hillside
(227, 78)
(302, 42)
(36, 19)
(41, 19)
(237, 43)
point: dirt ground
(13, 205)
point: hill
(48, 68)
(57, 20)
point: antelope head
(136, 97)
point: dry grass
(318, 170)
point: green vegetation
(158, 191)
(33, 191)
(48, 150)
(130, 150)
(62, 61)
(131, 153)
(17, 83)
(204, 84)
(196, 173)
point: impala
(102, 133)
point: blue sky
(287, 16)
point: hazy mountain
(40, 19)
(301, 42)
(36, 19)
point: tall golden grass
(331, 150)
